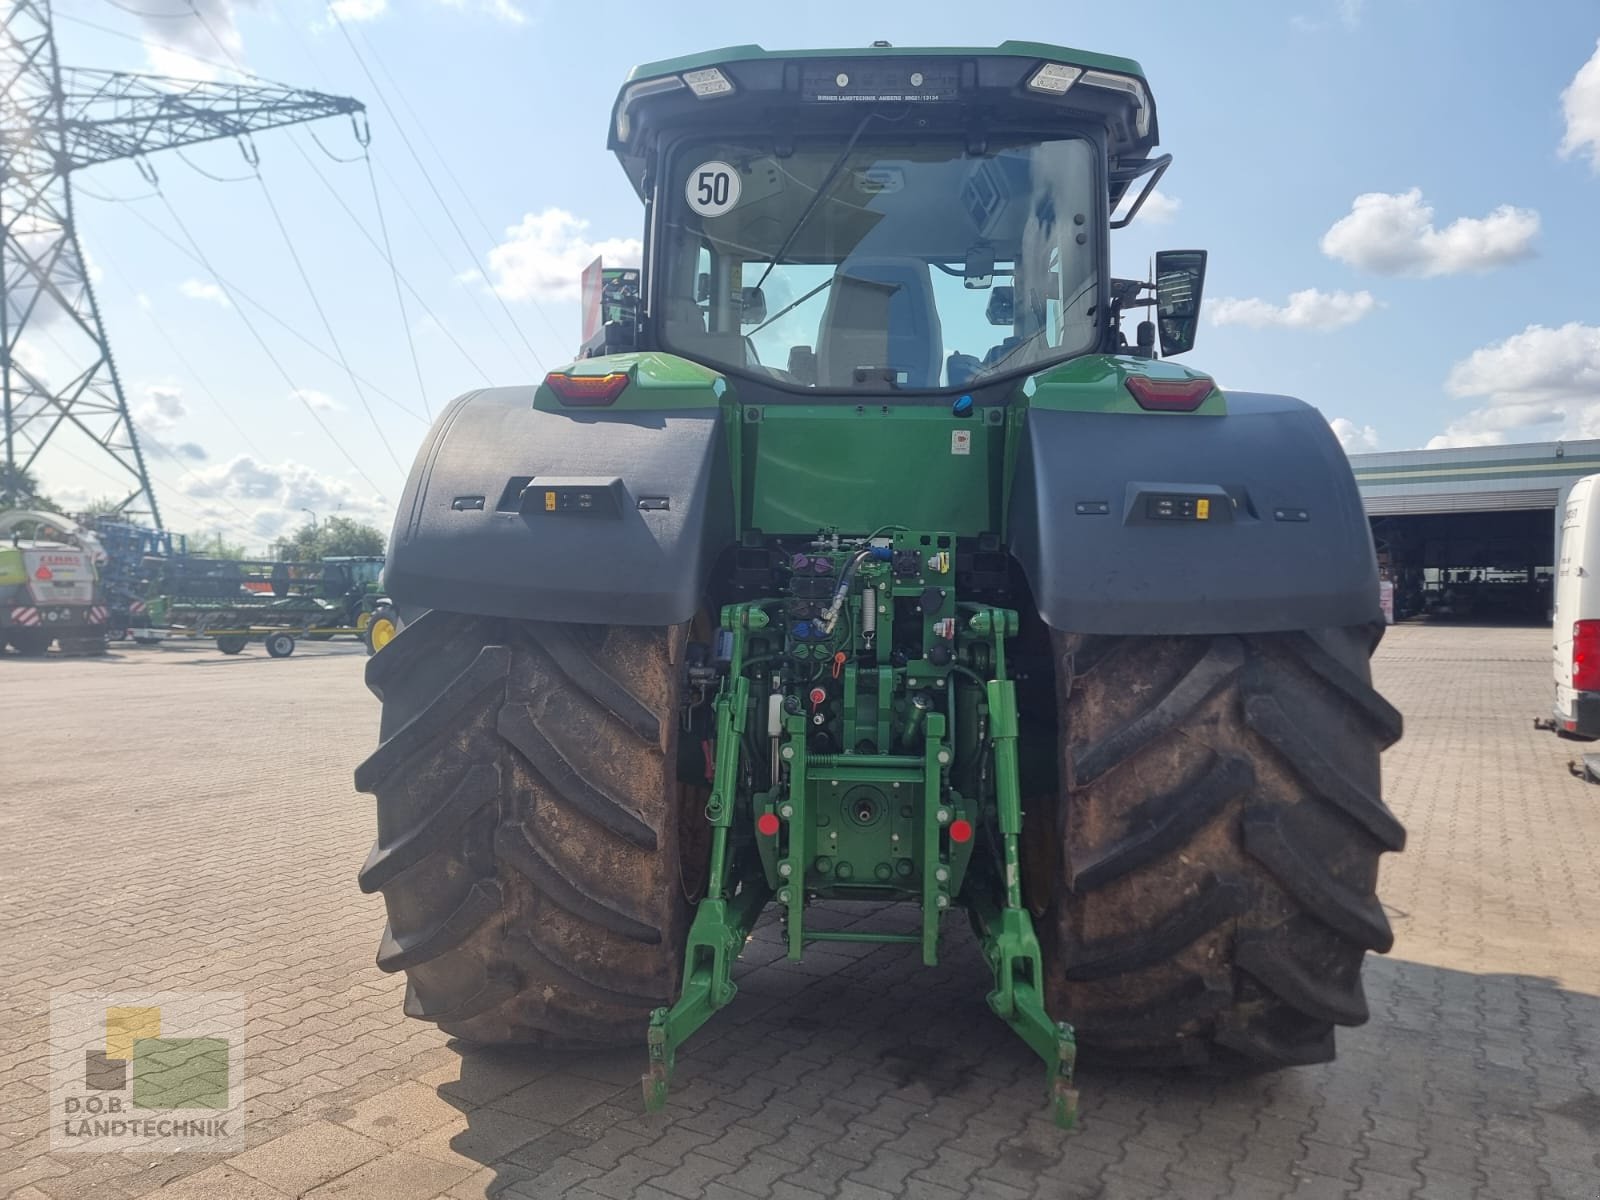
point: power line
(239, 293)
(386, 250)
(394, 275)
(428, 178)
(183, 360)
(137, 40)
(438, 154)
(388, 256)
(327, 325)
(194, 512)
(387, 253)
(159, 444)
(265, 348)
(427, 232)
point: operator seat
(881, 313)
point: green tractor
(865, 556)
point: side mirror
(1180, 281)
(752, 306)
(1002, 307)
(978, 271)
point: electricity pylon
(53, 121)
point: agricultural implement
(238, 601)
(50, 588)
(866, 554)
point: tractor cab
(889, 219)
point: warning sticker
(712, 188)
(961, 441)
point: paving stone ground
(173, 819)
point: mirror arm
(1154, 168)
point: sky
(1398, 197)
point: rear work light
(586, 390)
(1586, 656)
(707, 83)
(1054, 79)
(1114, 82)
(1170, 395)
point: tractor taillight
(1170, 395)
(1586, 656)
(590, 390)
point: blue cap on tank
(962, 406)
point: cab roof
(1009, 48)
(752, 87)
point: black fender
(1284, 544)
(473, 533)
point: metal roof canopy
(1527, 475)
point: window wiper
(789, 308)
(817, 197)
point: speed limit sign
(712, 189)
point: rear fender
(1284, 544)
(475, 533)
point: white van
(1576, 631)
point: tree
(212, 545)
(105, 506)
(19, 489)
(337, 537)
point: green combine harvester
(869, 554)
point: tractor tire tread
(1270, 958)
(1216, 901)
(1163, 823)
(528, 827)
(1219, 827)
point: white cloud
(544, 256)
(320, 401)
(158, 415)
(161, 409)
(187, 37)
(1580, 103)
(1160, 207)
(1540, 383)
(1394, 234)
(1346, 12)
(1354, 438)
(371, 10)
(197, 289)
(275, 493)
(32, 358)
(1308, 309)
(358, 10)
(502, 10)
(1456, 439)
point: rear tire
(29, 643)
(84, 647)
(232, 643)
(380, 628)
(529, 815)
(1218, 845)
(279, 645)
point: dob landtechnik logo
(154, 1072)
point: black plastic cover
(643, 564)
(1105, 519)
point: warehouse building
(1473, 532)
